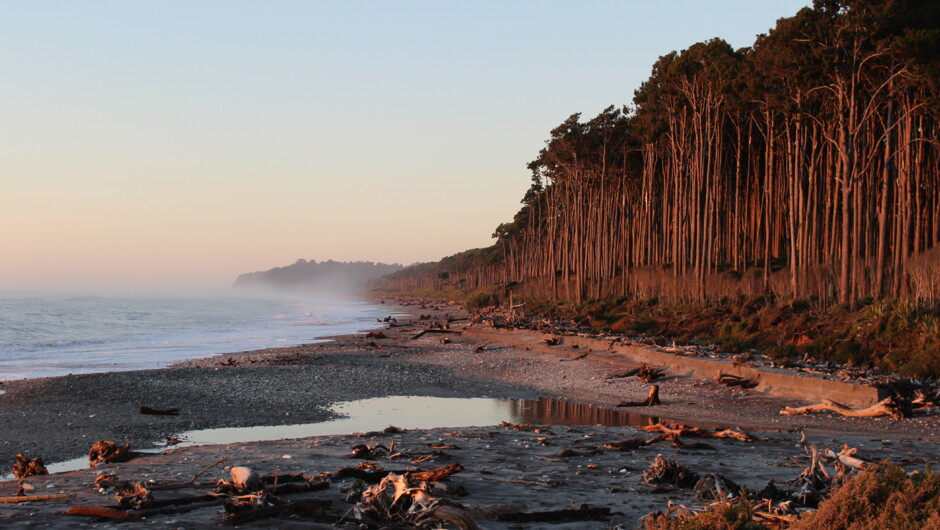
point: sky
(177, 144)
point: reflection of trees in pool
(550, 411)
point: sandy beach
(505, 470)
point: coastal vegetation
(789, 192)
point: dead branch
(31, 498)
(886, 407)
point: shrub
(881, 497)
(481, 298)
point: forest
(805, 166)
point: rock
(245, 479)
(714, 487)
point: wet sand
(59, 418)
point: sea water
(48, 335)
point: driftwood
(886, 407)
(582, 513)
(31, 498)
(436, 474)
(421, 334)
(683, 430)
(847, 457)
(396, 499)
(101, 511)
(734, 380)
(23, 466)
(105, 452)
(158, 412)
(651, 399)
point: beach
(59, 418)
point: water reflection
(550, 411)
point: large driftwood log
(885, 407)
(101, 511)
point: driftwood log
(102, 511)
(683, 430)
(581, 513)
(31, 498)
(421, 334)
(886, 407)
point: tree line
(806, 165)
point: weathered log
(847, 456)
(179, 508)
(101, 511)
(421, 334)
(301, 487)
(885, 407)
(158, 412)
(436, 474)
(581, 513)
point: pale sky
(181, 143)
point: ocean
(45, 335)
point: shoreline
(59, 418)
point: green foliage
(882, 497)
(481, 298)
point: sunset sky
(179, 144)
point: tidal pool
(412, 412)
